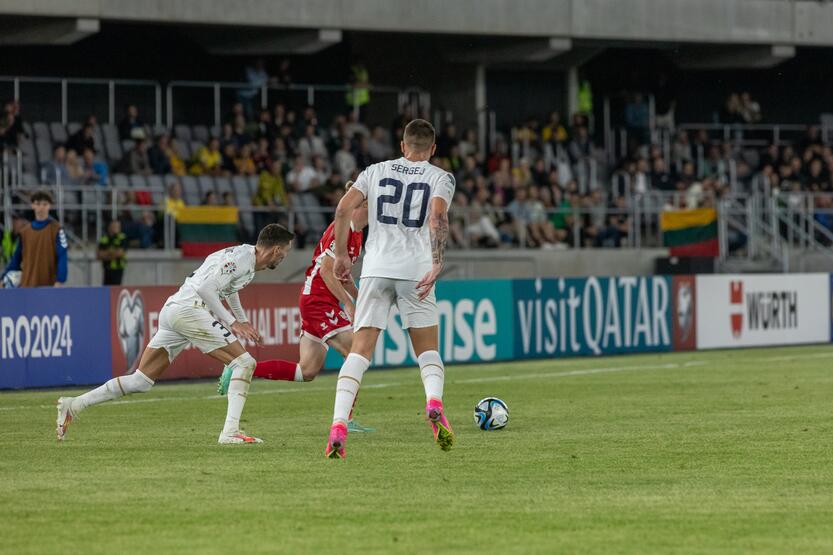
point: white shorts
(377, 295)
(183, 325)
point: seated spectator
(750, 110)
(228, 199)
(447, 139)
(378, 145)
(581, 146)
(158, 155)
(271, 193)
(263, 155)
(554, 130)
(208, 159)
(96, 171)
(226, 135)
(266, 128)
(55, 170)
(660, 177)
(481, 230)
(458, 220)
(469, 146)
(240, 135)
(244, 163)
(311, 144)
(174, 201)
(75, 169)
(137, 159)
(210, 199)
(301, 175)
(364, 159)
(130, 123)
(81, 140)
(228, 166)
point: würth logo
(765, 310)
(736, 304)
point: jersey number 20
(396, 196)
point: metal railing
(414, 99)
(73, 98)
(118, 92)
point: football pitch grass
(723, 452)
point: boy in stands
(323, 322)
(195, 315)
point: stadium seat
(190, 190)
(195, 146)
(73, 127)
(138, 182)
(41, 132)
(252, 180)
(244, 200)
(215, 131)
(98, 141)
(127, 145)
(240, 186)
(183, 147)
(182, 132)
(200, 133)
(223, 184)
(58, 132)
(29, 180)
(159, 129)
(157, 189)
(43, 149)
(112, 143)
(27, 128)
(120, 180)
(206, 183)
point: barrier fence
(63, 337)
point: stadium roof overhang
(19, 31)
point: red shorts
(322, 319)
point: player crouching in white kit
(408, 201)
(195, 315)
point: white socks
(347, 387)
(433, 374)
(242, 369)
(299, 376)
(136, 382)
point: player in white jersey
(195, 315)
(408, 201)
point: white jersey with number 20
(398, 195)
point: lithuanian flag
(204, 229)
(690, 232)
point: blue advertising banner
(54, 336)
(591, 316)
(475, 326)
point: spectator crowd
(531, 188)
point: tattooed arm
(438, 226)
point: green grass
(708, 452)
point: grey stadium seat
(30, 180)
(138, 182)
(199, 133)
(223, 184)
(183, 148)
(73, 127)
(206, 183)
(127, 145)
(190, 190)
(159, 129)
(41, 132)
(195, 147)
(120, 180)
(58, 131)
(43, 148)
(182, 132)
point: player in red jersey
(324, 323)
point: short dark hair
(41, 195)
(419, 135)
(274, 235)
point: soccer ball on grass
(491, 414)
